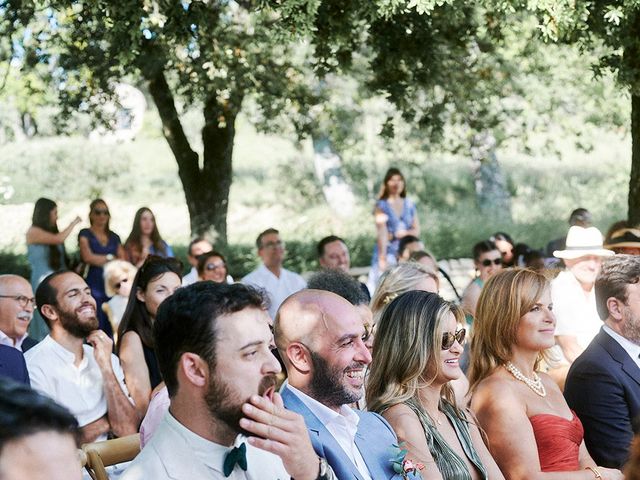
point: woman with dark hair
(417, 349)
(488, 260)
(156, 279)
(506, 245)
(395, 217)
(145, 238)
(212, 266)
(530, 429)
(99, 245)
(45, 250)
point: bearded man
(320, 337)
(225, 419)
(603, 384)
(87, 379)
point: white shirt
(190, 278)
(278, 289)
(8, 341)
(576, 314)
(631, 348)
(80, 389)
(186, 455)
(342, 426)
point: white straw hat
(581, 242)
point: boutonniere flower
(402, 465)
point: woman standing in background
(395, 217)
(99, 245)
(145, 238)
(45, 250)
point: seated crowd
(525, 376)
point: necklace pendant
(536, 384)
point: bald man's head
(16, 306)
(319, 337)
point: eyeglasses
(22, 300)
(448, 339)
(119, 284)
(276, 244)
(101, 211)
(487, 262)
(214, 266)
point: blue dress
(95, 278)
(38, 255)
(394, 224)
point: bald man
(16, 310)
(319, 337)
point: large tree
(210, 55)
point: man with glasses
(16, 310)
(87, 379)
(320, 337)
(277, 281)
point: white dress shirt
(631, 348)
(278, 289)
(79, 388)
(190, 278)
(342, 426)
(8, 341)
(178, 453)
(576, 313)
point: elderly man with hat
(572, 292)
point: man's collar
(325, 414)
(7, 340)
(631, 348)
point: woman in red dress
(532, 433)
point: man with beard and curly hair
(320, 339)
(225, 418)
(87, 379)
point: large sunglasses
(100, 211)
(448, 339)
(487, 262)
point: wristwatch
(325, 473)
(109, 257)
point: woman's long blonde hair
(505, 299)
(407, 349)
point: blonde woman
(417, 350)
(404, 278)
(118, 278)
(532, 433)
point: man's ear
(50, 312)
(299, 357)
(615, 308)
(194, 369)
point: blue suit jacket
(12, 364)
(374, 440)
(603, 387)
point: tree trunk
(634, 181)
(206, 189)
(490, 184)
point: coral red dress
(558, 441)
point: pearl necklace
(535, 384)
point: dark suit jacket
(12, 364)
(28, 343)
(603, 387)
(374, 440)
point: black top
(152, 364)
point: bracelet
(595, 471)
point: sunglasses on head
(448, 339)
(487, 262)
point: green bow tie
(235, 455)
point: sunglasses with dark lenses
(214, 266)
(101, 211)
(119, 284)
(486, 262)
(448, 339)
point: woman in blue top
(45, 250)
(145, 239)
(99, 245)
(395, 217)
